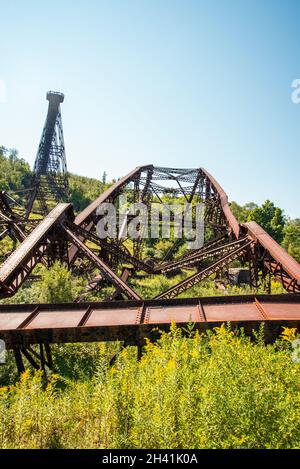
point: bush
(218, 390)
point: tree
(241, 212)
(15, 173)
(291, 240)
(270, 218)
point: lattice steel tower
(50, 177)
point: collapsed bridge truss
(61, 235)
(75, 241)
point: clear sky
(174, 83)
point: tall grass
(218, 390)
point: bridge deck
(32, 241)
(133, 320)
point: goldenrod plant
(214, 390)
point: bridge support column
(19, 360)
(38, 360)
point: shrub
(218, 390)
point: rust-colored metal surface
(22, 325)
(90, 209)
(66, 318)
(17, 267)
(112, 317)
(282, 258)
(106, 271)
(84, 218)
(121, 260)
(32, 241)
(225, 205)
(207, 271)
(12, 320)
(59, 237)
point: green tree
(84, 190)
(15, 172)
(270, 218)
(241, 212)
(291, 240)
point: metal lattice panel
(50, 177)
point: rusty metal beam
(105, 270)
(234, 226)
(133, 321)
(289, 267)
(201, 255)
(247, 242)
(206, 272)
(18, 266)
(110, 246)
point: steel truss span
(132, 322)
(117, 260)
(74, 240)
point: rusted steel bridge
(132, 322)
(74, 241)
(118, 260)
(61, 236)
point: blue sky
(175, 83)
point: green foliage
(150, 286)
(291, 240)
(218, 390)
(269, 217)
(76, 362)
(84, 190)
(241, 212)
(213, 391)
(6, 246)
(8, 371)
(56, 286)
(15, 173)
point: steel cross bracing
(33, 249)
(50, 178)
(11, 221)
(20, 210)
(110, 246)
(49, 241)
(74, 241)
(191, 281)
(66, 239)
(218, 217)
(201, 255)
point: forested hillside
(15, 175)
